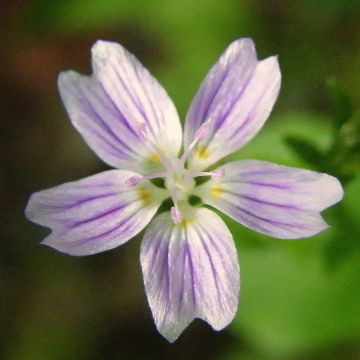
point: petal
(138, 96)
(236, 96)
(94, 214)
(190, 270)
(100, 122)
(274, 200)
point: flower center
(179, 181)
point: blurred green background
(299, 299)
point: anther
(141, 131)
(202, 131)
(133, 181)
(218, 174)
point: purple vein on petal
(215, 245)
(104, 125)
(264, 202)
(111, 106)
(146, 96)
(213, 269)
(181, 294)
(132, 98)
(98, 216)
(274, 222)
(192, 274)
(116, 111)
(150, 103)
(255, 225)
(107, 129)
(165, 271)
(120, 115)
(155, 253)
(107, 232)
(84, 201)
(263, 172)
(157, 250)
(249, 117)
(209, 102)
(225, 116)
(259, 183)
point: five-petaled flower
(188, 257)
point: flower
(188, 257)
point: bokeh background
(299, 299)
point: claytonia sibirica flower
(188, 257)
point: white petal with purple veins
(94, 214)
(275, 200)
(190, 270)
(101, 123)
(142, 101)
(237, 96)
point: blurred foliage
(299, 298)
(341, 158)
(291, 303)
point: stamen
(217, 174)
(156, 175)
(141, 131)
(135, 180)
(176, 215)
(202, 131)
(200, 134)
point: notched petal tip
(66, 75)
(136, 97)
(92, 215)
(35, 209)
(68, 80)
(238, 93)
(100, 46)
(104, 51)
(190, 272)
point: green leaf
(305, 150)
(342, 103)
(345, 240)
(290, 305)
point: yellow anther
(154, 158)
(203, 153)
(144, 195)
(184, 223)
(216, 191)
